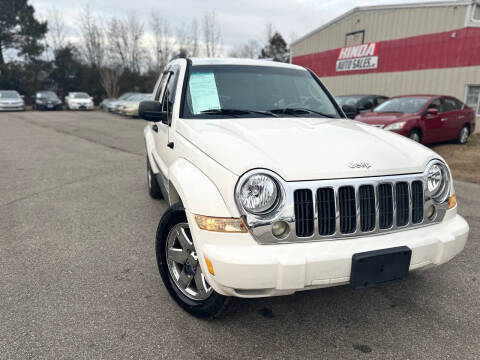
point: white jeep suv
(272, 190)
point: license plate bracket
(380, 267)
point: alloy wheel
(183, 264)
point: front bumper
(12, 108)
(80, 106)
(244, 268)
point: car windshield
(80, 96)
(407, 105)
(222, 91)
(125, 96)
(47, 95)
(347, 100)
(9, 95)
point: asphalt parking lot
(78, 276)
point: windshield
(222, 91)
(9, 95)
(80, 96)
(347, 100)
(407, 105)
(124, 96)
(47, 95)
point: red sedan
(424, 118)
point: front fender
(197, 192)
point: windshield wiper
(293, 111)
(233, 112)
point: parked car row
(127, 104)
(11, 100)
(423, 118)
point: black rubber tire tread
(153, 189)
(460, 133)
(416, 131)
(212, 308)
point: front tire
(463, 135)
(415, 136)
(180, 270)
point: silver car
(10, 100)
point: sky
(240, 20)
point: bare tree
(211, 34)
(92, 40)
(249, 50)
(125, 42)
(56, 36)
(109, 81)
(194, 41)
(162, 41)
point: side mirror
(152, 111)
(432, 112)
(22, 96)
(350, 111)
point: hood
(305, 148)
(377, 118)
(80, 101)
(11, 101)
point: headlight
(438, 181)
(258, 193)
(39, 101)
(395, 126)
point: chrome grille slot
(348, 212)
(402, 202)
(304, 220)
(417, 202)
(366, 194)
(326, 211)
(385, 206)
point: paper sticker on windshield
(203, 92)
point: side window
(449, 105)
(436, 104)
(161, 85)
(458, 104)
(380, 100)
(169, 93)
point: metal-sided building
(398, 49)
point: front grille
(417, 202)
(366, 194)
(326, 211)
(303, 212)
(348, 210)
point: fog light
(431, 212)
(280, 229)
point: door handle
(443, 119)
(461, 116)
(155, 128)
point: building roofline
(383, 7)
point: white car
(79, 101)
(272, 190)
(130, 106)
(10, 100)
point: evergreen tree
(276, 49)
(19, 30)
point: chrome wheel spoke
(184, 240)
(184, 279)
(178, 255)
(183, 266)
(200, 282)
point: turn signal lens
(228, 225)
(452, 201)
(209, 266)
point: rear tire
(415, 135)
(463, 135)
(198, 300)
(153, 188)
